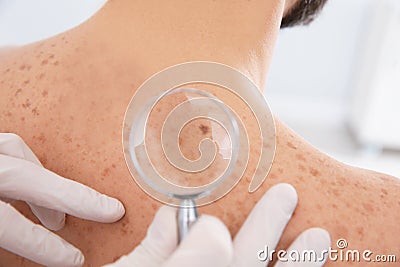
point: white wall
(316, 69)
(26, 21)
(317, 60)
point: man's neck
(238, 34)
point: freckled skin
(71, 112)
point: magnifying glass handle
(187, 215)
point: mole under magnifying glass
(186, 182)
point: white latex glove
(208, 242)
(49, 196)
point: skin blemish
(27, 104)
(341, 228)
(289, 144)
(67, 139)
(384, 191)
(204, 129)
(368, 207)
(314, 172)
(301, 157)
(360, 231)
(26, 82)
(44, 93)
(105, 172)
(22, 67)
(51, 56)
(35, 111)
(44, 62)
(56, 63)
(342, 182)
(302, 168)
(17, 92)
(40, 76)
(41, 138)
(335, 192)
(272, 175)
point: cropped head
(302, 12)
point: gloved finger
(159, 243)
(21, 236)
(51, 219)
(311, 246)
(13, 145)
(23, 180)
(265, 224)
(208, 243)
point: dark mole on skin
(204, 129)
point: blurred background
(335, 82)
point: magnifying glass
(152, 147)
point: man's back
(66, 97)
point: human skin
(66, 97)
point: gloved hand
(49, 196)
(208, 242)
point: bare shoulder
(22, 75)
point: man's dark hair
(302, 12)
